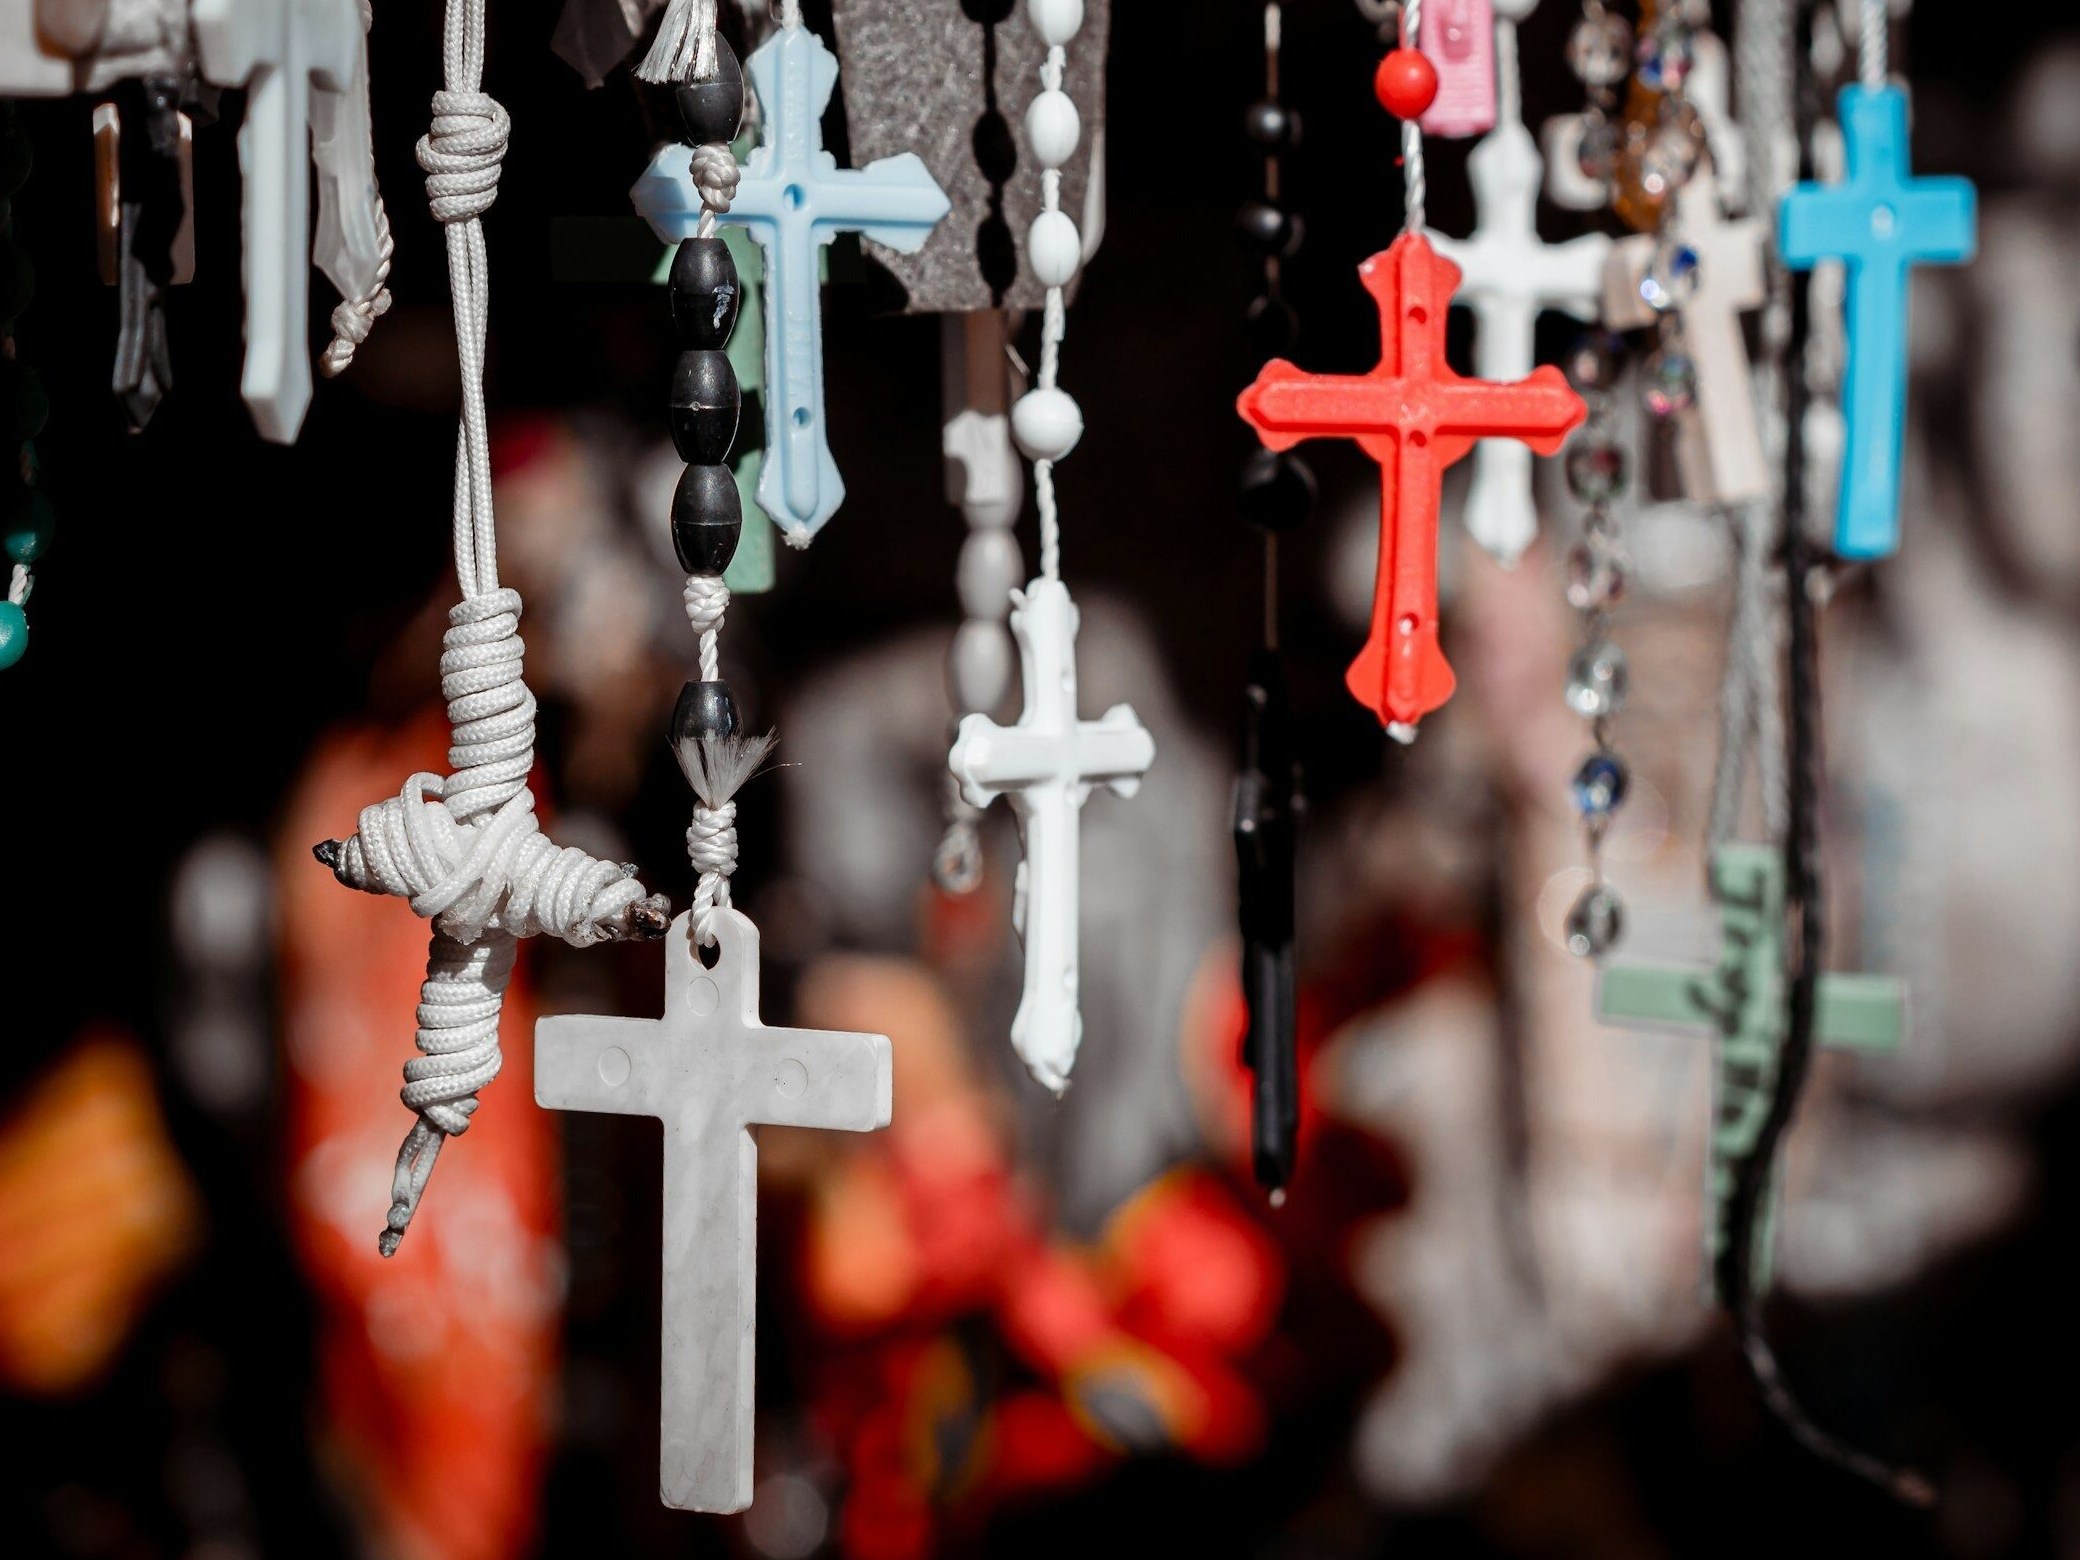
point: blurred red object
(438, 1365)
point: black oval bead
(1267, 229)
(1277, 491)
(705, 709)
(705, 293)
(713, 111)
(1271, 326)
(704, 407)
(707, 517)
(1272, 126)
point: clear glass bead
(1666, 54)
(1596, 679)
(1671, 153)
(1592, 362)
(1595, 471)
(1599, 50)
(1595, 575)
(1672, 276)
(1596, 153)
(1599, 785)
(1668, 383)
(1595, 923)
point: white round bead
(980, 668)
(1053, 127)
(991, 568)
(1054, 249)
(1056, 21)
(1046, 424)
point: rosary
(1690, 289)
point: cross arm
(824, 1078)
(586, 1062)
(1541, 410)
(1286, 405)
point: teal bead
(14, 634)
(30, 521)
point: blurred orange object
(438, 1365)
(96, 1209)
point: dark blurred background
(216, 612)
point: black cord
(1805, 918)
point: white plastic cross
(281, 51)
(1719, 441)
(1509, 277)
(1046, 765)
(710, 1071)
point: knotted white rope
(467, 851)
(354, 318)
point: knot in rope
(354, 318)
(711, 845)
(461, 154)
(715, 176)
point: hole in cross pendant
(1408, 623)
(1419, 314)
(1883, 220)
(794, 197)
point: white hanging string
(466, 851)
(1874, 44)
(1415, 183)
(1509, 86)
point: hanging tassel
(684, 48)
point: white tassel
(684, 49)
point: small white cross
(710, 1071)
(1046, 765)
(1509, 277)
(281, 51)
(1719, 450)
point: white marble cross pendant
(285, 52)
(1719, 450)
(1509, 277)
(1046, 765)
(710, 1071)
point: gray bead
(991, 568)
(705, 709)
(705, 407)
(707, 518)
(712, 111)
(1595, 923)
(705, 292)
(979, 670)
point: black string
(1805, 919)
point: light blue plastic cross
(794, 197)
(1880, 222)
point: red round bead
(1406, 83)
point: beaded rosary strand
(707, 736)
(1046, 421)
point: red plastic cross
(1415, 417)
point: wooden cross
(1415, 417)
(1742, 1000)
(281, 51)
(1719, 450)
(1880, 222)
(794, 198)
(1046, 765)
(710, 1071)
(1510, 275)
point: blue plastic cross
(794, 197)
(1881, 221)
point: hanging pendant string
(1415, 183)
(466, 850)
(1755, 1173)
(1054, 325)
(1873, 44)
